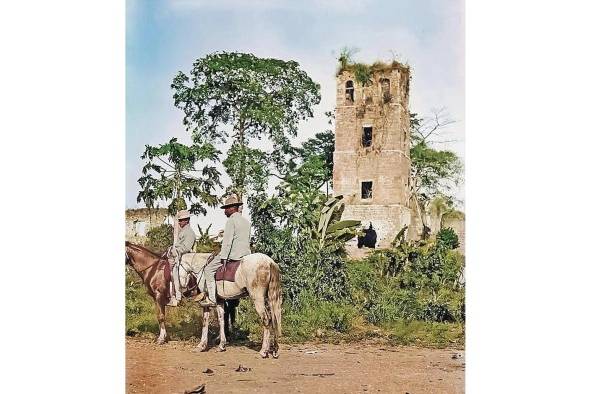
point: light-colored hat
(231, 201)
(184, 214)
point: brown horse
(148, 266)
(257, 277)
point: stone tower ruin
(372, 148)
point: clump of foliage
(299, 228)
(363, 72)
(411, 281)
(448, 238)
(171, 174)
(159, 238)
(205, 243)
(284, 231)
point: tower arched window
(349, 92)
(386, 95)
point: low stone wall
(139, 221)
(387, 220)
(459, 226)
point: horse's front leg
(220, 311)
(202, 346)
(160, 302)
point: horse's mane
(141, 248)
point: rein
(151, 265)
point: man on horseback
(235, 245)
(184, 244)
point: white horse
(257, 277)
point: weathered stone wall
(386, 162)
(387, 220)
(139, 221)
(458, 224)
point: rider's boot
(199, 297)
(173, 301)
(207, 303)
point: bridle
(151, 265)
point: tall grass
(377, 310)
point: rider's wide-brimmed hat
(184, 214)
(231, 202)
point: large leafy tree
(171, 175)
(319, 149)
(241, 98)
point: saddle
(227, 271)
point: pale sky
(164, 37)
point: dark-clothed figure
(368, 238)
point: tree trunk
(176, 228)
(240, 188)
(426, 230)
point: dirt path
(311, 368)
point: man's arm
(227, 241)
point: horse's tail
(275, 297)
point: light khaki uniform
(184, 244)
(235, 245)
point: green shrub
(411, 281)
(448, 238)
(205, 243)
(159, 238)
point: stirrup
(173, 302)
(207, 303)
(199, 297)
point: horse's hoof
(275, 355)
(160, 341)
(200, 348)
(264, 354)
(221, 349)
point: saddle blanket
(227, 272)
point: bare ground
(306, 368)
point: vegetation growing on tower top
(362, 71)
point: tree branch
(168, 164)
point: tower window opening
(366, 190)
(349, 92)
(386, 95)
(367, 136)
